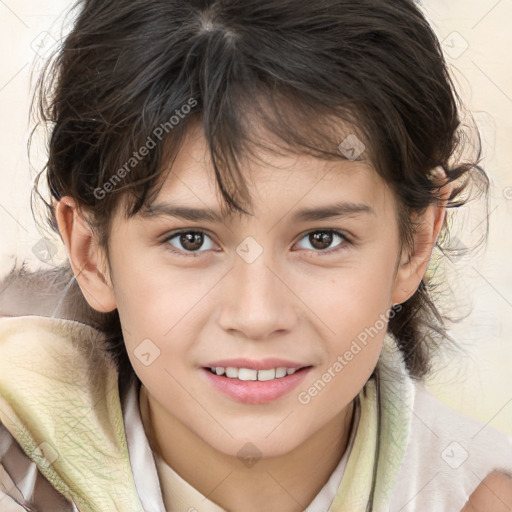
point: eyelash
(345, 241)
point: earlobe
(85, 256)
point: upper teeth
(248, 374)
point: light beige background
(477, 39)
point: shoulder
(450, 457)
(442, 422)
(46, 292)
(462, 443)
(26, 291)
(494, 494)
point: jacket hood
(78, 440)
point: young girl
(249, 194)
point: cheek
(159, 312)
(154, 299)
(353, 298)
(354, 307)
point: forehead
(276, 180)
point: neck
(289, 482)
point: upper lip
(252, 364)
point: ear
(413, 266)
(87, 259)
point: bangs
(249, 125)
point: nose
(258, 300)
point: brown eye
(190, 242)
(320, 240)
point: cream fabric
(59, 400)
(179, 495)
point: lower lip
(256, 391)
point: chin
(258, 446)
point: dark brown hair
(300, 69)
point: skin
(494, 494)
(292, 302)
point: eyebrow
(340, 209)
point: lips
(255, 392)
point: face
(272, 285)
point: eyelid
(170, 235)
(344, 234)
(347, 239)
